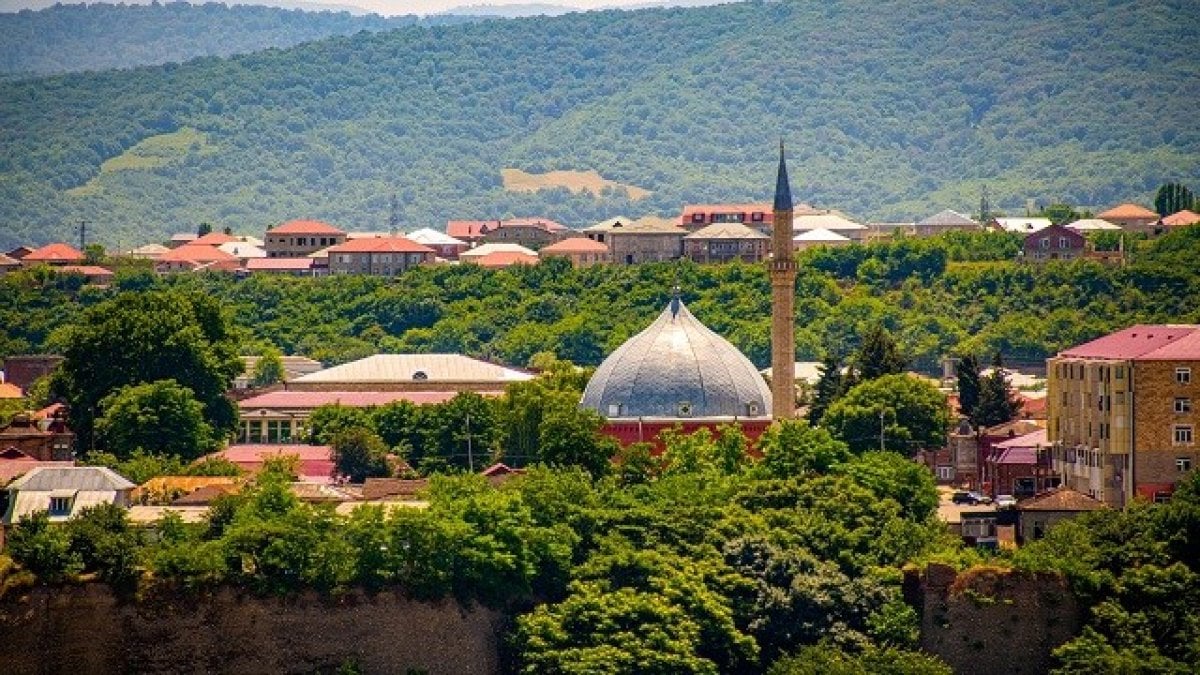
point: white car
(1005, 501)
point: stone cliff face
(86, 629)
(993, 621)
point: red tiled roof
(54, 253)
(10, 390)
(197, 253)
(691, 209)
(575, 245)
(1029, 440)
(500, 469)
(505, 259)
(1061, 499)
(1181, 218)
(1186, 348)
(542, 223)
(1127, 211)
(262, 264)
(470, 228)
(351, 399)
(381, 245)
(87, 270)
(1137, 341)
(305, 227)
(214, 239)
(316, 461)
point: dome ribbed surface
(677, 367)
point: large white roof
(416, 367)
(825, 221)
(432, 237)
(1092, 225)
(1024, 225)
(820, 234)
(498, 247)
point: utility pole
(82, 234)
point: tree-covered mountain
(67, 38)
(891, 110)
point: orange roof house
(194, 257)
(381, 245)
(306, 227)
(10, 390)
(1181, 218)
(54, 254)
(214, 239)
(497, 259)
(581, 251)
(1131, 217)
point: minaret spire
(783, 299)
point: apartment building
(1120, 412)
(384, 256)
(299, 238)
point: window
(685, 409)
(60, 506)
(1183, 434)
(752, 409)
(1120, 372)
(1183, 405)
(1062, 242)
(614, 409)
(945, 473)
(420, 376)
(697, 217)
(1183, 375)
(757, 217)
(1183, 464)
(1044, 243)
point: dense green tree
(269, 368)
(967, 372)
(793, 448)
(570, 436)
(877, 355)
(160, 418)
(359, 454)
(826, 659)
(1172, 198)
(901, 413)
(892, 476)
(829, 387)
(998, 403)
(140, 338)
(327, 421)
(42, 548)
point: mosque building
(677, 372)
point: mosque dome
(677, 368)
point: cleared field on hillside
(516, 180)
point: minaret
(783, 300)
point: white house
(65, 491)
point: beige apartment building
(1121, 412)
(381, 257)
(299, 238)
(638, 241)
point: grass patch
(516, 180)
(148, 153)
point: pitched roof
(431, 237)
(266, 264)
(541, 223)
(10, 390)
(496, 247)
(470, 228)
(1023, 225)
(382, 488)
(57, 252)
(151, 251)
(1141, 341)
(647, 225)
(305, 227)
(825, 221)
(19, 466)
(294, 400)
(946, 218)
(1180, 218)
(726, 231)
(214, 239)
(84, 478)
(419, 367)
(242, 250)
(497, 259)
(1012, 429)
(316, 461)
(1061, 499)
(820, 234)
(1128, 211)
(6, 261)
(206, 494)
(1032, 439)
(87, 270)
(381, 245)
(198, 253)
(1092, 224)
(185, 237)
(690, 210)
(574, 245)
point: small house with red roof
(1181, 219)
(1036, 515)
(299, 238)
(1132, 217)
(196, 258)
(529, 232)
(581, 251)
(295, 267)
(55, 255)
(383, 256)
(316, 463)
(94, 274)
(698, 216)
(1053, 243)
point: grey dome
(677, 368)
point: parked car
(1005, 501)
(980, 498)
(972, 498)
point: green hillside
(67, 38)
(891, 110)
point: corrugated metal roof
(947, 218)
(1062, 499)
(726, 231)
(1137, 341)
(496, 247)
(419, 368)
(297, 400)
(825, 221)
(43, 479)
(1031, 440)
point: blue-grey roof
(83, 478)
(677, 368)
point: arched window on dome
(752, 409)
(614, 409)
(420, 376)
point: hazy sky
(387, 7)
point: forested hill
(891, 110)
(66, 38)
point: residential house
(723, 242)
(393, 489)
(8, 264)
(446, 247)
(292, 267)
(819, 237)
(1021, 466)
(1036, 515)
(1022, 225)
(316, 463)
(94, 274)
(196, 258)
(167, 489)
(282, 416)
(945, 221)
(298, 238)
(42, 439)
(990, 437)
(25, 369)
(698, 216)
(501, 259)
(19, 252)
(54, 255)
(243, 251)
(1122, 412)
(887, 230)
(645, 240)
(147, 252)
(1086, 225)
(65, 491)
(470, 231)
(215, 239)
(385, 257)
(181, 239)
(14, 464)
(9, 391)
(581, 251)
(1181, 219)
(830, 221)
(1134, 218)
(411, 372)
(531, 233)
(979, 528)
(1053, 242)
